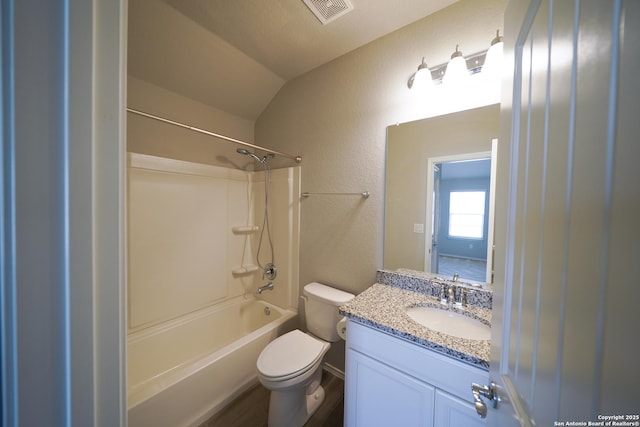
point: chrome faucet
(267, 287)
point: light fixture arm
(497, 39)
(456, 53)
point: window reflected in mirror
(460, 221)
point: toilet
(291, 365)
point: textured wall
(147, 136)
(336, 117)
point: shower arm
(297, 159)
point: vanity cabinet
(392, 382)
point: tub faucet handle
(270, 272)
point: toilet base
(293, 407)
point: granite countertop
(383, 307)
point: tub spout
(267, 287)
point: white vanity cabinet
(392, 382)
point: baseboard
(334, 371)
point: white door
(565, 344)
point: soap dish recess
(244, 270)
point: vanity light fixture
(459, 67)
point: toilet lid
(289, 355)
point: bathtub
(183, 371)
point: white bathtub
(182, 372)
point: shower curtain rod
(298, 159)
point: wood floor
(470, 269)
(250, 409)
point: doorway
(460, 214)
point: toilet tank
(321, 309)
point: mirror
(414, 150)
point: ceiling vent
(328, 10)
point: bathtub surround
(195, 328)
(183, 251)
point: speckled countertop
(383, 307)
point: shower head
(249, 153)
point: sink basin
(450, 322)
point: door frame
(431, 162)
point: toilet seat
(290, 355)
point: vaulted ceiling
(234, 55)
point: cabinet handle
(488, 392)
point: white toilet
(291, 365)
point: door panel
(552, 254)
(620, 335)
(570, 242)
(585, 212)
(381, 396)
(453, 412)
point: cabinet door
(378, 395)
(454, 412)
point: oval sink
(450, 322)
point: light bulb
(492, 67)
(457, 71)
(422, 80)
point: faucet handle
(270, 272)
(461, 301)
(451, 294)
(443, 293)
